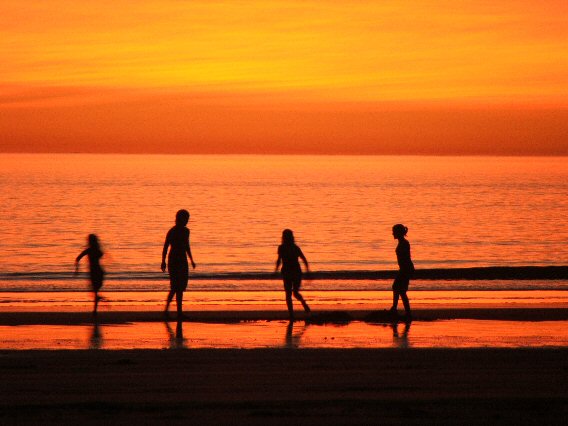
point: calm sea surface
(461, 212)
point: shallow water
(280, 334)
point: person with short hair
(177, 240)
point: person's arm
(78, 259)
(165, 252)
(188, 250)
(301, 255)
(410, 264)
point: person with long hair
(405, 272)
(177, 241)
(288, 255)
(96, 272)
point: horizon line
(284, 154)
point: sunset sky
(377, 77)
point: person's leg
(179, 302)
(96, 284)
(298, 296)
(169, 299)
(288, 291)
(395, 296)
(174, 284)
(395, 292)
(405, 302)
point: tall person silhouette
(177, 240)
(406, 270)
(288, 255)
(96, 272)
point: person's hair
(399, 230)
(287, 236)
(182, 217)
(94, 241)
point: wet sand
(457, 333)
(284, 387)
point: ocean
(462, 212)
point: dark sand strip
(117, 317)
(285, 387)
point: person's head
(93, 241)
(399, 231)
(182, 217)
(287, 236)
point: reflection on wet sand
(96, 340)
(463, 333)
(293, 340)
(400, 340)
(176, 339)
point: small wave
(257, 286)
(475, 273)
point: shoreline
(317, 317)
(553, 272)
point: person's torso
(94, 256)
(178, 238)
(403, 256)
(289, 254)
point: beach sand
(284, 385)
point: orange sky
(421, 77)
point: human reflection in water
(96, 272)
(293, 340)
(177, 240)
(96, 339)
(406, 270)
(400, 340)
(288, 255)
(177, 341)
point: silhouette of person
(96, 272)
(177, 240)
(406, 270)
(288, 254)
